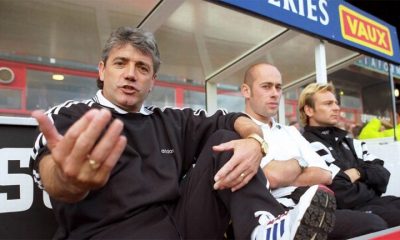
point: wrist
(359, 174)
(261, 141)
(70, 192)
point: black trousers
(349, 223)
(204, 213)
(353, 223)
(386, 207)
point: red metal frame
(19, 83)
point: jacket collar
(99, 98)
(327, 131)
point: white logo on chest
(167, 151)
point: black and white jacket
(336, 148)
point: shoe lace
(265, 217)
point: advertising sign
(335, 20)
(25, 210)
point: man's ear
(309, 111)
(245, 90)
(153, 80)
(101, 70)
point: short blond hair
(306, 98)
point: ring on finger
(94, 164)
(242, 175)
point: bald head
(260, 68)
(262, 90)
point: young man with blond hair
(361, 178)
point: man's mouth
(129, 89)
(273, 104)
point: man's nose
(130, 71)
(336, 107)
(275, 91)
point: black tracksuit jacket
(336, 148)
(162, 146)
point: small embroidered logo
(167, 151)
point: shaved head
(252, 72)
(262, 90)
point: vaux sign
(334, 20)
(364, 31)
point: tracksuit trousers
(204, 213)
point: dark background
(38, 222)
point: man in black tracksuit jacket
(163, 145)
(114, 169)
(361, 178)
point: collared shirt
(99, 98)
(284, 143)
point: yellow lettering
(382, 39)
(352, 25)
(362, 31)
(371, 33)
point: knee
(352, 223)
(375, 222)
(222, 136)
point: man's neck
(318, 124)
(260, 118)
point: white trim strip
(26, 121)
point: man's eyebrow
(142, 62)
(266, 82)
(270, 83)
(120, 58)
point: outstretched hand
(83, 158)
(242, 166)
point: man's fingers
(88, 177)
(224, 171)
(47, 128)
(228, 146)
(232, 182)
(246, 179)
(233, 177)
(106, 167)
(82, 136)
(115, 153)
(66, 145)
(230, 165)
(108, 142)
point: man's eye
(144, 69)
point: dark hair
(142, 40)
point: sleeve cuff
(362, 173)
(334, 169)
